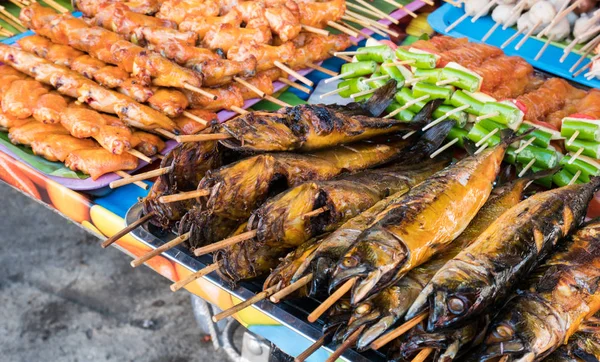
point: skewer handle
(197, 275)
(245, 304)
(166, 246)
(312, 349)
(126, 230)
(225, 243)
(382, 341)
(334, 297)
(277, 297)
(139, 177)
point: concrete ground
(63, 298)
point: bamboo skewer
(200, 91)
(321, 69)
(363, 10)
(312, 29)
(277, 297)
(560, 16)
(183, 196)
(161, 249)
(126, 230)
(378, 11)
(513, 37)
(443, 148)
(197, 275)
(334, 297)
(402, 7)
(544, 47)
(456, 23)
(342, 28)
(575, 177)
(407, 105)
(364, 24)
(245, 304)
(139, 155)
(293, 73)
(341, 56)
(58, 7)
(490, 32)
(388, 337)
(165, 133)
(294, 85)
(526, 168)
(346, 345)
(225, 243)
(17, 3)
(372, 23)
(423, 354)
(238, 109)
(139, 184)
(258, 92)
(193, 117)
(312, 349)
(335, 91)
(528, 35)
(139, 177)
(11, 22)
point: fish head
(339, 315)
(457, 293)
(372, 260)
(525, 330)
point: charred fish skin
(392, 303)
(508, 250)
(566, 290)
(312, 127)
(431, 216)
(583, 346)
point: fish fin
(469, 146)
(509, 136)
(381, 99)
(425, 114)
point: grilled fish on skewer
(385, 308)
(410, 232)
(564, 292)
(583, 346)
(505, 252)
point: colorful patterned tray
(549, 62)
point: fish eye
(363, 308)
(456, 305)
(349, 262)
(503, 331)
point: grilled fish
(564, 292)
(409, 232)
(509, 249)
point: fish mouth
(342, 275)
(363, 288)
(374, 332)
(357, 323)
(511, 349)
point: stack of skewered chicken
(328, 199)
(182, 85)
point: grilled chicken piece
(226, 36)
(20, 98)
(48, 108)
(170, 102)
(98, 161)
(56, 147)
(266, 55)
(201, 25)
(226, 97)
(25, 134)
(179, 10)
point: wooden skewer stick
(575, 156)
(378, 11)
(428, 2)
(139, 155)
(321, 69)
(225, 243)
(58, 7)
(5, 33)
(183, 196)
(279, 102)
(335, 91)
(591, 44)
(443, 148)
(139, 177)
(200, 91)
(293, 73)
(294, 85)
(17, 3)
(484, 10)
(572, 138)
(238, 109)
(161, 249)
(197, 275)
(524, 146)
(139, 184)
(126, 230)
(581, 59)
(353, 52)
(342, 28)
(334, 297)
(423, 354)
(372, 22)
(544, 47)
(575, 177)
(560, 16)
(481, 149)
(442, 118)
(339, 76)
(406, 105)
(446, 81)
(397, 63)
(526, 168)
(513, 37)
(343, 57)
(245, 304)
(582, 69)
(193, 117)
(11, 22)
(277, 297)
(400, 6)
(363, 10)
(487, 137)
(576, 41)
(528, 35)
(312, 29)
(363, 93)
(490, 32)
(203, 137)
(165, 133)
(258, 92)
(486, 116)
(363, 34)
(312, 349)
(346, 345)
(385, 339)
(456, 23)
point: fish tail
(381, 99)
